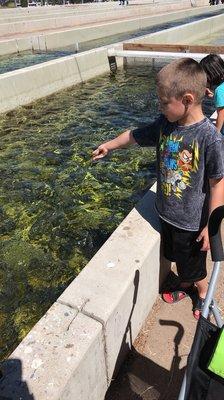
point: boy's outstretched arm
(216, 200)
(125, 139)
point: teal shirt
(219, 96)
(219, 99)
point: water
(14, 62)
(26, 59)
(56, 206)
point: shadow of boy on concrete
(127, 341)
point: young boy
(190, 171)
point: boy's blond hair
(180, 77)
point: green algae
(56, 206)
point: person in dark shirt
(190, 171)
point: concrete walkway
(154, 369)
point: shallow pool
(56, 206)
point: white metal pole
(155, 54)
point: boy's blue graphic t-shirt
(187, 156)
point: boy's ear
(188, 99)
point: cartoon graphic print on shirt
(177, 163)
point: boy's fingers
(199, 238)
(95, 152)
(99, 153)
(206, 246)
(98, 156)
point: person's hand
(100, 152)
(209, 93)
(205, 239)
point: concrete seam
(45, 41)
(95, 318)
(78, 69)
(79, 309)
(31, 43)
(64, 303)
(17, 46)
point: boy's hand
(100, 152)
(205, 238)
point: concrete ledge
(26, 25)
(28, 84)
(187, 33)
(58, 359)
(74, 350)
(67, 37)
(119, 285)
(80, 35)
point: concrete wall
(73, 351)
(28, 84)
(54, 40)
(86, 18)
(66, 38)
(80, 35)
(186, 33)
(22, 14)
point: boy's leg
(191, 265)
(177, 291)
(181, 246)
(202, 287)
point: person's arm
(125, 139)
(219, 105)
(147, 135)
(216, 199)
(220, 119)
(209, 93)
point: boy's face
(173, 109)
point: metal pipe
(216, 313)
(155, 54)
(211, 289)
